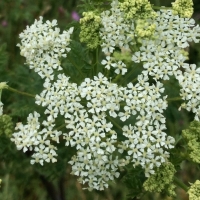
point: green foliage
(88, 5)
(23, 80)
(3, 57)
(134, 179)
(77, 63)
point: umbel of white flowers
(91, 124)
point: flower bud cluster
(144, 29)
(162, 180)
(90, 25)
(3, 85)
(6, 125)
(183, 8)
(137, 9)
(194, 191)
(192, 136)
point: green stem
(60, 127)
(6, 186)
(174, 99)
(134, 80)
(161, 7)
(97, 58)
(107, 73)
(117, 78)
(180, 184)
(19, 92)
(114, 122)
(95, 55)
(127, 76)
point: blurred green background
(20, 180)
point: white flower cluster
(98, 113)
(163, 55)
(96, 161)
(115, 33)
(90, 131)
(146, 141)
(89, 128)
(189, 81)
(30, 137)
(43, 46)
(89, 110)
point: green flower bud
(192, 136)
(3, 85)
(123, 55)
(144, 29)
(183, 8)
(194, 191)
(6, 125)
(138, 9)
(161, 180)
(90, 25)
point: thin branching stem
(20, 92)
(174, 99)
(179, 183)
(114, 122)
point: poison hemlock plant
(114, 116)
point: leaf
(134, 180)
(77, 63)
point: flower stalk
(20, 92)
